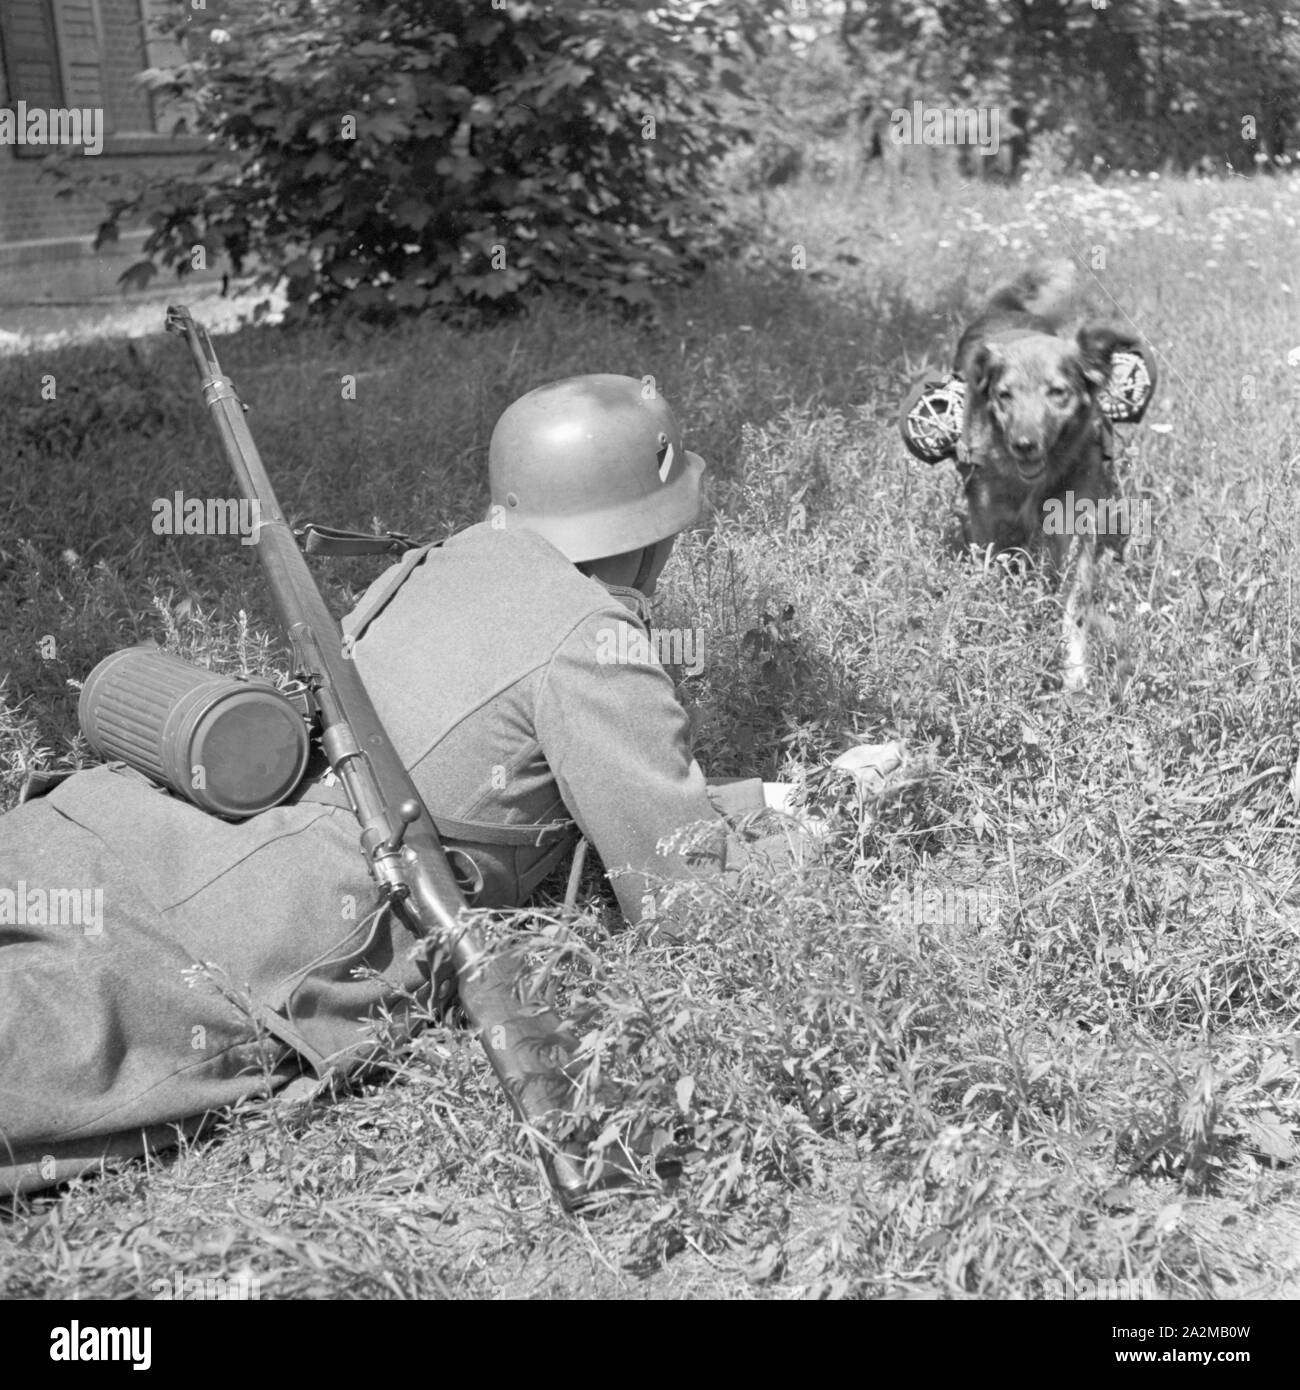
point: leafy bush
(401, 154)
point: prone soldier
(486, 658)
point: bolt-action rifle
(527, 1045)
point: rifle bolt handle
(408, 812)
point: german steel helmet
(595, 465)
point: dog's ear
(1094, 344)
(985, 367)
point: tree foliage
(402, 154)
(1134, 83)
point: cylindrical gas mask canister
(232, 747)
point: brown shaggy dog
(1035, 443)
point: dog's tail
(1048, 292)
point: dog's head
(1038, 391)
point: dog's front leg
(1078, 581)
(1075, 629)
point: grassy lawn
(1032, 1022)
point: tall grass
(878, 1094)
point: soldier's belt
(530, 836)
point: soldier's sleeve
(618, 744)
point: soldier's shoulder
(537, 579)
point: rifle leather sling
(331, 541)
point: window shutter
(31, 54)
(81, 49)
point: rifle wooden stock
(527, 1045)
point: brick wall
(124, 56)
(29, 210)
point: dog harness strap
(1107, 440)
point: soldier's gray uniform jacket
(485, 664)
(494, 669)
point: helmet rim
(595, 466)
(617, 529)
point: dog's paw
(1074, 679)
